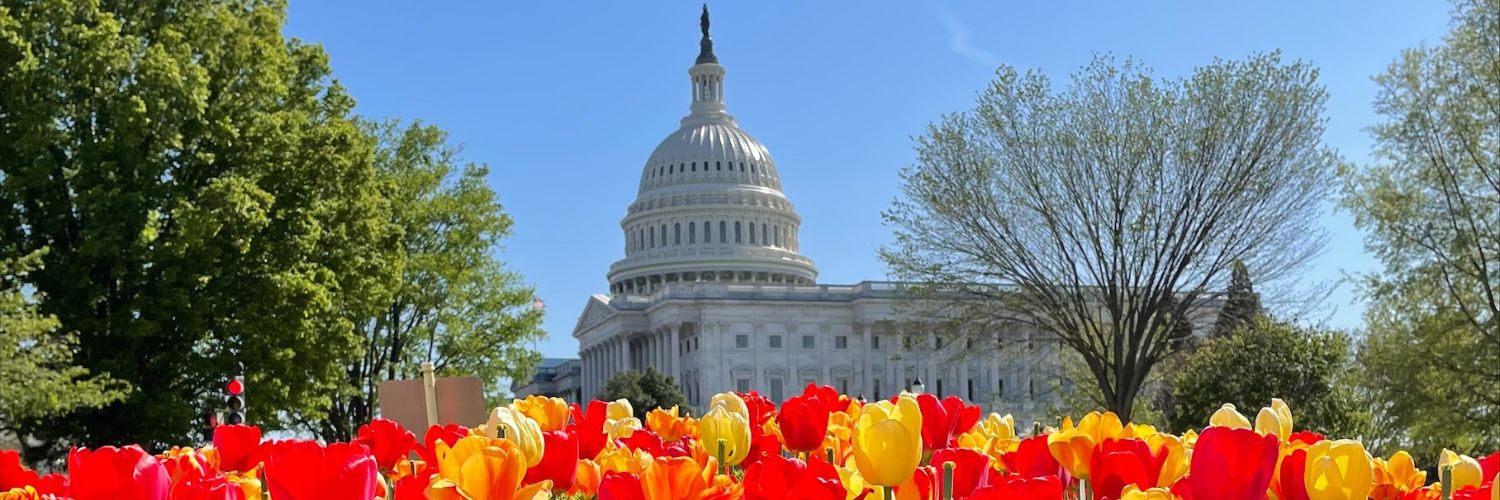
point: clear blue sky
(565, 100)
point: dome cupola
(710, 206)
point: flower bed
(818, 445)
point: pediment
(596, 311)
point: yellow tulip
(1338, 470)
(551, 414)
(732, 403)
(1073, 446)
(1227, 416)
(1132, 493)
(1176, 464)
(519, 429)
(1466, 470)
(724, 424)
(586, 479)
(619, 459)
(482, 467)
(668, 425)
(854, 484)
(1275, 419)
(888, 441)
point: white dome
(710, 206)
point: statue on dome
(705, 46)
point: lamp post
(916, 386)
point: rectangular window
(708, 232)
(842, 384)
(692, 232)
(877, 394)
(940, 392)
(1031, 388)
(738, 233)
(971, 390)
(742, 385)
(808, 342)
(841, 342)
(723, 236)
(775, 341)
(1000, 389)
(742, 341)
(752, 233)
(875, 342)
(677, 234)
(776, 390)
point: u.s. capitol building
(713, 291)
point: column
(674, 364)
(866, 387)
(624, 347)
(587, 381)
(930, 373)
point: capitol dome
(710, 206)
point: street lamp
(916, 386)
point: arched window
(752, 168)
(694, 169)
(723, 235)
(692, 232)
(695, 165)
(763, 232)
(719, 165)
(671, 169)
(677, 233)
(663, 235)
(737, 232)
(742, 166)
(752, 233)
(708, 232)
(653, 239)
(777, 234)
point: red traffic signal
(235, 386)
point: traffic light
(234, 399)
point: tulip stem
(830, 454)
(1445, 475)
(721, 466)
(890, 492)
(948, 480)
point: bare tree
(1109, 212)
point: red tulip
(620, 486)
(559, 461)
(925, 481)
(1308, 437)
(1490, 465)
(304, 470)
(448, 434)
(237, 445)
(643, 439)
(971, 469)
(111, 473)
(1031, 459)
(387, 440)
(1232, 464)
(1293, 479)
(943, 421)
(1118, 462)
(14, 475)
(590, 429)
(762, 445)
(760, 408)
(413, 487)
(214, 487)
(804, 420)
(776, 477)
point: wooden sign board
(460, 400)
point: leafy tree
(36, 367)
(455, 305)
(1241, 303)
(645, 390)
(206, 197)
(1108, 212)
(1266, 359)
(1430, 206)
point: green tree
(206, 196)
(1430, 205)
(455, 305)
(1264, 359)
(645, 390)
(1106, 213)
(36, 359)
(1241, 303)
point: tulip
(621, 486)
(674, 478)
(1232, 464)
(1031, 459)
(413, 486)
(559, 462)
(388, 442)
(550, 414)
(971, 470)
(1338, 470)
(854, 483)
(482, 467)
(237, 445)
(1120, 462)
(620, 459)
(305, 470)
(1397, 476)
(586, 479)
(111, 473)
(726, 428)
(943, 421)
(993, 436)
(447, 434)
(758, 409)
(1466, 471)
(668, 425)
(1073, 446)
(922, 485)
(1275, 419)
(888, 441)
(1025, 488)
(803, 421)
(1176, 465)
(723, 487)
(1290, 479)
(216, 487)
(1227, 416)
(13, 475)
(1132, 493)
(185, 463)
(589, 428)
(520, 429)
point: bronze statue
(706, 45)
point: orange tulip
(1397, 476)
(586, 481)
(550, 414)
(1073, 446)
(674, 478)
(482, 467)
(668, 425)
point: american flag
(537, 304)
